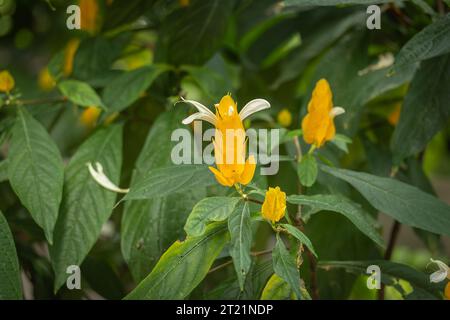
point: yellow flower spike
(284, 118)
(7, 82)
(89, 116)
(274, 205)
(318, 125)
(69, 55)
(230, 140)
(89, 15)
(394, 116)
(184, 3)
(45, 80)
(447, 291)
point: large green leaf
(183, 266)
(165, 181)
(151, 225)
(307, 170)
(10, 284)
(432, 41)
(36, 171)
(300, 236)
(86, 206)
(425, 110)
(129, 86)
(192, 35)
(351, 210)
(277, 289)
(240, 228)
(80, 93)
(285, 266)
(209, 210)
(403, 202)
(390, 272)
(3, 170)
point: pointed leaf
(36, 171)
(300, 236)
(307, 170)
(80, 93)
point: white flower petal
(438, 276)
(207, 114)
(253, 106)
(337, 111)
(199, 116)
(102, 179)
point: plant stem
(42, 101)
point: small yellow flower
(318, 125)
(284, 118)
(89, 116)
(89, 15)
(69, 55)
(230, 139)
(447, 291)
(394, 116)
(45, 80)
(6, 81)
(274, 206)
(184, 3)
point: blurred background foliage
(141, 56)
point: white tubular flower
(337, 111)
(384, 60)
(207, 115)
(441, 274)
(99, 176)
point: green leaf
(351, 210)
(403, 202)
(307, 170)
(165, 181)
(332, 2)
(390, 272)
(80, 93)
(126, 88)
(285, 266)
(183, 266)
(341, 141)
(277, 289)
(10, 284)
(209, 210)
(300, 236)
(432, 41)
(86, 206)
(425, 110)
(36, 171)
(240, 228)
(193, 34)
(150, 226)
(3, 170)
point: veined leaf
(183, 266)
(3, 170)
(390, 271)
(351, 210)
(191, 35)
(36, 171)
(240, 228)
(209, 210)
(10, 284)
(86, 206)
(285, 266)
(165, 181)
(403, 202)
(277, 289)
(150, 226)
(425, 110)
(432, 41)
(80, 93)
(300, 236)
(307, 170)
(129, 86)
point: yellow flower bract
(89, 116)
(6, 81)
(45, 80)
(284, 118)
(89, 15)
(229, 146)
(318, 125)
(69, 55)
(274, 206)
(447, 291)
